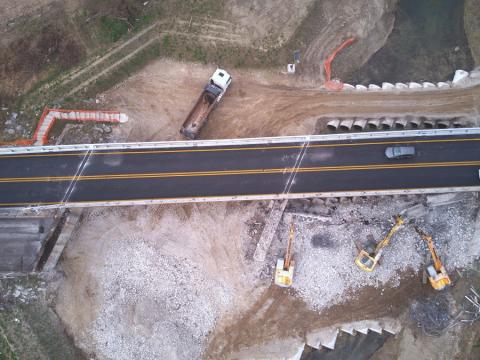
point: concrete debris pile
(471, 306)
(168, 302)
(10, 294)
(156, 279)
(325, 246)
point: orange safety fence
(334, 84)
(84, 115)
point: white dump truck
(209, 98)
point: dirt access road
(262, 103)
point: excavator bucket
(365, 262)
(284, 277)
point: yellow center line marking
(190, 150)
(238, 172)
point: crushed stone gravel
(326, 246)
(168, 301)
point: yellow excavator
(285, 267)
(368, 259)
(437, 275)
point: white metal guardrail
(239, 142)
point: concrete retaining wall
(395, 123)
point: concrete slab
(71, 224)
(22, 238)
(326, 337)
(446, 199)
(269, 229)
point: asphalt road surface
(290, 168)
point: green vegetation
(112, 29)
(6, 349)
(199, 54)
(129, 67)
(29, 328)
(102, 26)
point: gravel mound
(155, 306)
(326, 246)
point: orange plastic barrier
(334, 84)
(84, 115)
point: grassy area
(112, 29)
(101, 28)
(7, 352)
(29, 329)
(187, 49)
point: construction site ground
(179, 281)
(122, 253)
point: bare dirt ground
(120, 253)
(261, 19)
(472, 27)
(166, 271)
(328, 288)
(260, 103)
(369, 22)
(178, 281)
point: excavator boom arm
(288, 255)
(386, 240)
(428, 239)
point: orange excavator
(285, 267)
(329, 83)
(437, 275)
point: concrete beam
(429, 123)
(346, 125)
(333, 125)
(359, 124)
(388, 123)
(276, 212)
(268, 197)
(401, 123)
(71, 223)
(373, 124)
(416, 123)
(443, 124)
(387, 86)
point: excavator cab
(368, 258)
(284, 276)
(366, 262)
(285, 267)
(439, 280)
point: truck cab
(221, 78)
